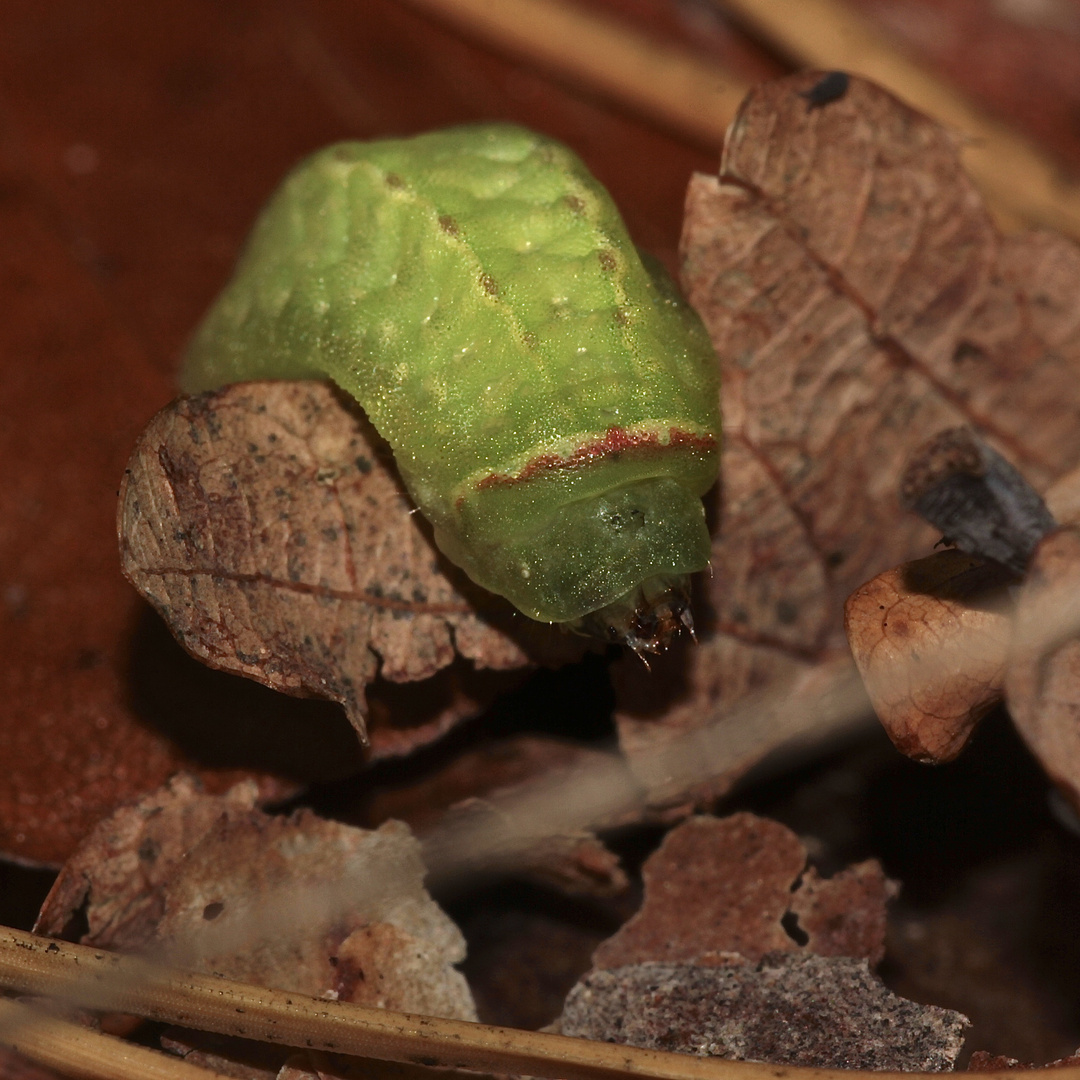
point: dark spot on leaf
(829, 88)
(967, 350)
(786, 612)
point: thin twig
(82, 1052)
(673, 85)
(699, 97)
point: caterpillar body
(553, 406)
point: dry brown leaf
(395, 948)
(722, 886)
(267, 525)
(1042, 682)
(829, 1012)
(118, 877)
(930, 639)
(982, 1061)
(295, 903)
(860, 300)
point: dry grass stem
(100, 979)
(699, 98)
(82, 1052)
(669, 84)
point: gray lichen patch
(828, 1012)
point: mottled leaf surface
(299, 903)
(860, 300)
(723, 886)
(266, 524)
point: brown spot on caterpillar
(575, 204)
(448, 224)
(607, 260)
(489, 285)
(394, 181)
(529, 339)
(622, 317)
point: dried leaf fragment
(860, 300)
(829, 1012)
(722, 886)
(1042, 682)
(295, 903)
(265, 524)
(982, 1061)
(119, 874)
(930, 639)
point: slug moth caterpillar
(552, 403)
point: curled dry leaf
(930, 639)
(295, 903)
(723, 886)
(829, 1012)
(1042, 682)
(860, 300)
(267, 525)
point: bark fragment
(828, 1012)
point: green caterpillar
(551, 403)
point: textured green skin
(476, 291)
